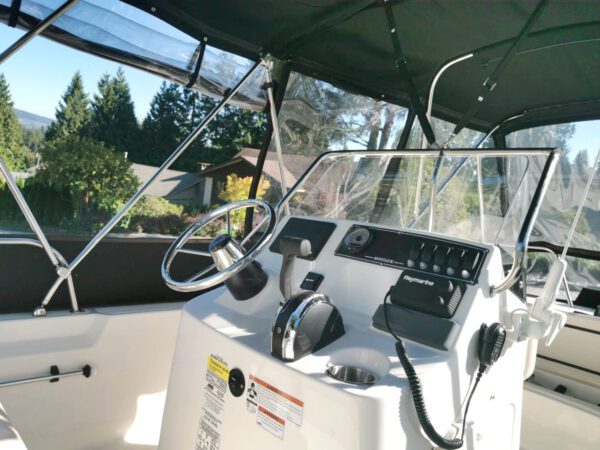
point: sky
(39, 73)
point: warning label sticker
(270, 422)
(278, 403)
(215, 388)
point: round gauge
(358, 239)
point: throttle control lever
(291, 247)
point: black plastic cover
(315, 231)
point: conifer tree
(11, 134)
(73, 113)
(164, 127)
(113, 117)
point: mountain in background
(30, 120)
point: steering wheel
(229, 256)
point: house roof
(169, 183)
(295, 165)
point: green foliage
(175, 112)
(113, 117)
(164, 127)
(33, 139)
(238, 189)
(155, 215)
(73, 113)
(51, 207)
(11, 136)
(98, 179)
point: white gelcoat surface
(130, 350)
(338, 415)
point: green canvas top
(555, 71)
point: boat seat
(9, 437)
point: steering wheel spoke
(189, 251)
(232, 266)
(201, 273)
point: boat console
(359, 335)
(353, 392)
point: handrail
(53, 377)
(40, 310)
(527, 226)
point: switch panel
(457, 261)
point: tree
(11, 135)
(232, 129)
(113, 117)
(582, 163)
(73, 113)
(164, 127)
(98, 179)
(237, 189)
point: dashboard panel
(402, 250)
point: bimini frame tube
(434, 82)
(66, 6)
(142, 190)
(276, 134)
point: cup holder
(359, 366)
(351, 375)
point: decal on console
(270, 422)
(272, 406)
(209, 428)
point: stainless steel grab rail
(53, 377)
(40, 310)
(527, 226)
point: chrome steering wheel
(229, 257)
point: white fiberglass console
(227, 391)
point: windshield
(580, 143)
(352, 186)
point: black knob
(445, 286)
(454, 259)
(413, 255)
(426, 256)
(440, 256)
(236, 382)
(469, 264)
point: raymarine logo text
(418, 280)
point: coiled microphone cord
(417, 392)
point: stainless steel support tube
(170, 160)
(433, 190)
(37, 30)
(29, 217)
(40, 310)
(527, 226)
(481, 202)
(276, 134)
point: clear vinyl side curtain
(126, 34)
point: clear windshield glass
(348, 185)
(580, 143)
(316, 117)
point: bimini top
(551, 75)
(349, 43)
